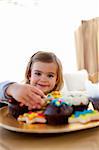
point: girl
(43, 75)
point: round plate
(10, 123)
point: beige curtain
(87, 46)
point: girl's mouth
(42, 85)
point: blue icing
(78, 113)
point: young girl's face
(44, 76)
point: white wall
(30, 25)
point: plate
(7, 121)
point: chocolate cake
(57, 112)
(15, 109)
(78, 101)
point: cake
(54, 94)
(95, 102)
(57, 112)
(84, 116)
(51, 96)
(15, 109)
(78, 101)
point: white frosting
(76, 99)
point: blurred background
(27, 26)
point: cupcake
(54, 94)
(78, 101)
(15, 109)
(57, 112)
(93, 93)
(95, 102)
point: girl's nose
(44, 78)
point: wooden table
(78, 140)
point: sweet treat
(32, 117)
(15, 109)
(51, 96)
(84, 116)
(78, 101)
(54, 94)
(57, 112)
(95, 102)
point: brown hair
(46, 57)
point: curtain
(87, 47)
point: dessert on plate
(78, 101)
(95, 102)
(57, 112)
(84, 116)
(32, 117)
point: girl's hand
(26, 94)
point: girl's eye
(50, 75)
(38, 73)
